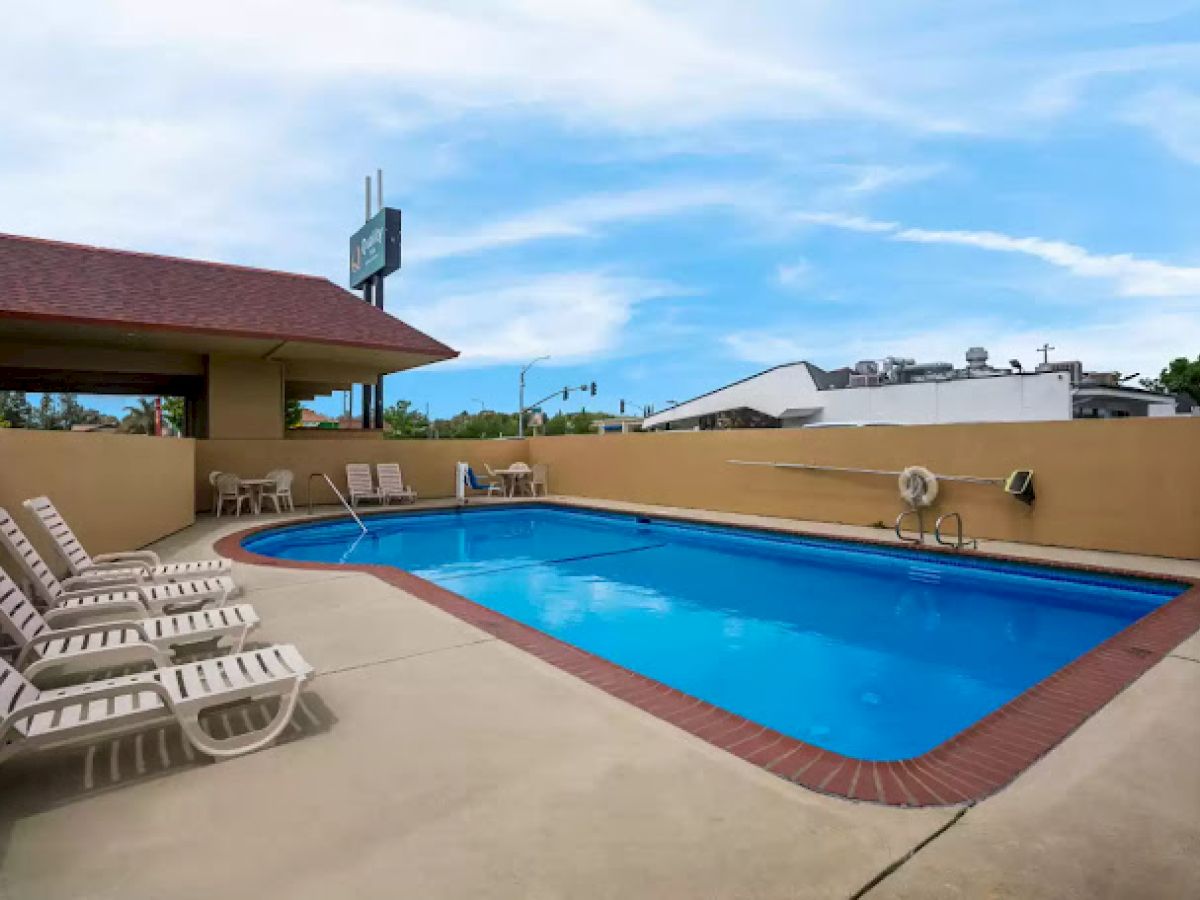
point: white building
(904, 392)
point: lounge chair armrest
(82, 694)
(97, 588)
(98, 582)
(127, 610)
(78, 631)
(101, 567)
(149, 557)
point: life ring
(918, 486)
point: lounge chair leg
(220, 748)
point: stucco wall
(117, 491)
(245, 398)
(1131, 485)
(426, 465)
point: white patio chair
(212, 483)
(522, 483)
(391, 484)
(57, 653)
(496, 484)
(32, 720)
(358, 484)
(231, 490)
(539, 478)
(89, 602)
(132, 566)
(280, 492)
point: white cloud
(1131, 276)
(576, 218)
(572, 316)
(1172, 116)
(793, 274)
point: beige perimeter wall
(117, 491)
(1131, 485)
(426, 465)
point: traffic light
(566, 393)
(593, 389)
(622, 407)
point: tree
(46, 416)
(293, 413)
(139, 418)
(403, 421)
(174, 411)
(1182, 376)
(15, 409)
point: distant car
(847, 424)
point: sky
(663, 197)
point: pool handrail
(340, 496)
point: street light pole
(521, 397)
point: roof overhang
(54, 355)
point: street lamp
(521, 397)
(480, 402)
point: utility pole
(521, 397)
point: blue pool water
(876, 653)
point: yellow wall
(426, 465)
(117, 491)
(1127, 484)
(245, 398)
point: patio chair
(358, 484)
(523, 484)
(492, 487)
(47, 652)
(31, 719)
(136, 566)
(391, 484)
(540, 478)
(212, 483)
(231, 490)
(279, 493)
(91, 601)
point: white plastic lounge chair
(391, 484)
(358, 484)
(230, 489)
(47, 652)
(35, 720)
(91, 601)
(128, 566)
(280, 492)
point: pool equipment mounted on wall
(1019, 483)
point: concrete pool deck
(442, 762)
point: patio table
(257, 486)
(512, 478)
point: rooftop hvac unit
(860, 380)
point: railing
(968, 479)
(920, 539)
(332, 487)
(959, 542)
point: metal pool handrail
(334, 488)
(970, 479)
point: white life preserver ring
(918, 486)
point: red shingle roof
(53, 281)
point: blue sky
(662, 196)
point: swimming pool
(870, 652)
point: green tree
(174, 411)
(293, 413)
(45, 417)
(403, 421)
(15, 409)
(1182, 376)
(139, 418)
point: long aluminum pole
(521, 407)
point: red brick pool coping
(968, 767)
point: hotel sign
(375, 248)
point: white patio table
(512, 478)
(257, 486)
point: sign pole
(366, 388)
(379, 303)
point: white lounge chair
(89, 601)
(391, 484)
(358, 484)
(129, 566)
(47, 652)
(35, 720)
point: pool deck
(438, 761)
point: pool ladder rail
(959, 542)
(333, 487)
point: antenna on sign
(379, 189)
(367, 200)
